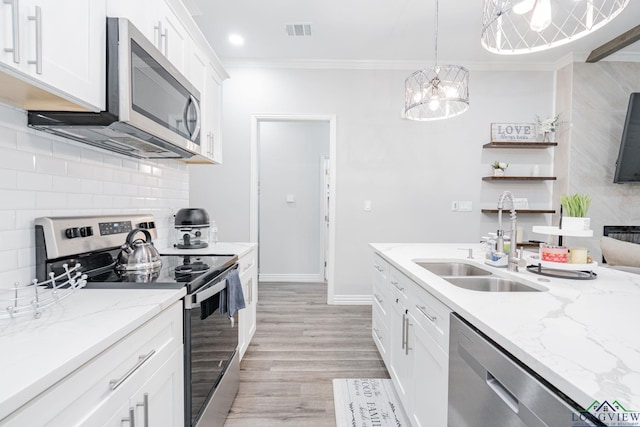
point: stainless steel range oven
(211, 359)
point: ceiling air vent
(299, 30)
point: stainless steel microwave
(152, 111)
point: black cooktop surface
(176, 271)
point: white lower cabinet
(247, 317)
(428, 394)
(100, 393)
(417, 354)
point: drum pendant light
(438, 92)
(511, 27)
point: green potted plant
(574, 211)
(499, 168)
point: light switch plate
(465, 206)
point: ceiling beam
(612, 46)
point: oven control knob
(72, 233)
(86, 231)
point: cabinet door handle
(404, 326)
(395, 285)
(38, 18)
(165, 36)
(377, 332)
(380, 300)
(145, 408)
(422, 309)
(157, 31)
(15, 21)
(132, 418)
(114, 384)
(406, 336)
(250, 285)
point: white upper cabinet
(57, 46)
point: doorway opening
(292, 203)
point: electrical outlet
(454, 205)
(367, 205)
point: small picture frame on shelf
(514, 132)
(520, 203)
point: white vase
(498, 172)
(576, 223)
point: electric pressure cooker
(192, 228)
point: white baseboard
(304, 278)
(351, 300)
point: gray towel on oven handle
(235, 297)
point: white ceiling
(398, 33)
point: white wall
(290, 233)
(42, 175)
(595, 98)
(411, 171)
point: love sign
(508, 132)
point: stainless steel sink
(453, 269)
(490, 284)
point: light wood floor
(300, 345)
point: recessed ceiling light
(236, 39)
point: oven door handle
(195, 299)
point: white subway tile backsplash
(35, 142)
(90, 186)
(42, 175)
(33, 181)
(8, 138)
(17, 199)
(67, 150)
(8, 260)
(25, 218)
(79, 201)
(50, 165)
(7, 220)
(50, 200)
(8, 179)
(66, 184)
(17, 160)
(102, 202)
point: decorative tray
(561, 270)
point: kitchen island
(578, 335)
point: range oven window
(211, 345)
(158, 95)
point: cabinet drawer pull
(114, 384)
(15, 22)
(38, 18)
(380, 300)
(377, 267)
(248, 266)
(395, 285)
(422, 309)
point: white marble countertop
(580, 335)
(37, 353)
(219, 248)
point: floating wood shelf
(514, 144)
(523, 211)
(518, 178)
(527, 245)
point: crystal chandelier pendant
(437, 92)
(512, 27)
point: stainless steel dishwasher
(488, 387)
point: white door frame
(253, 202)
(325, 203)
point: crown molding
(337, 64)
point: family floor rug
(361, 402)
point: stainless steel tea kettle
(138, 254)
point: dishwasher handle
(501, 391)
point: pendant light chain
(436, 35)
